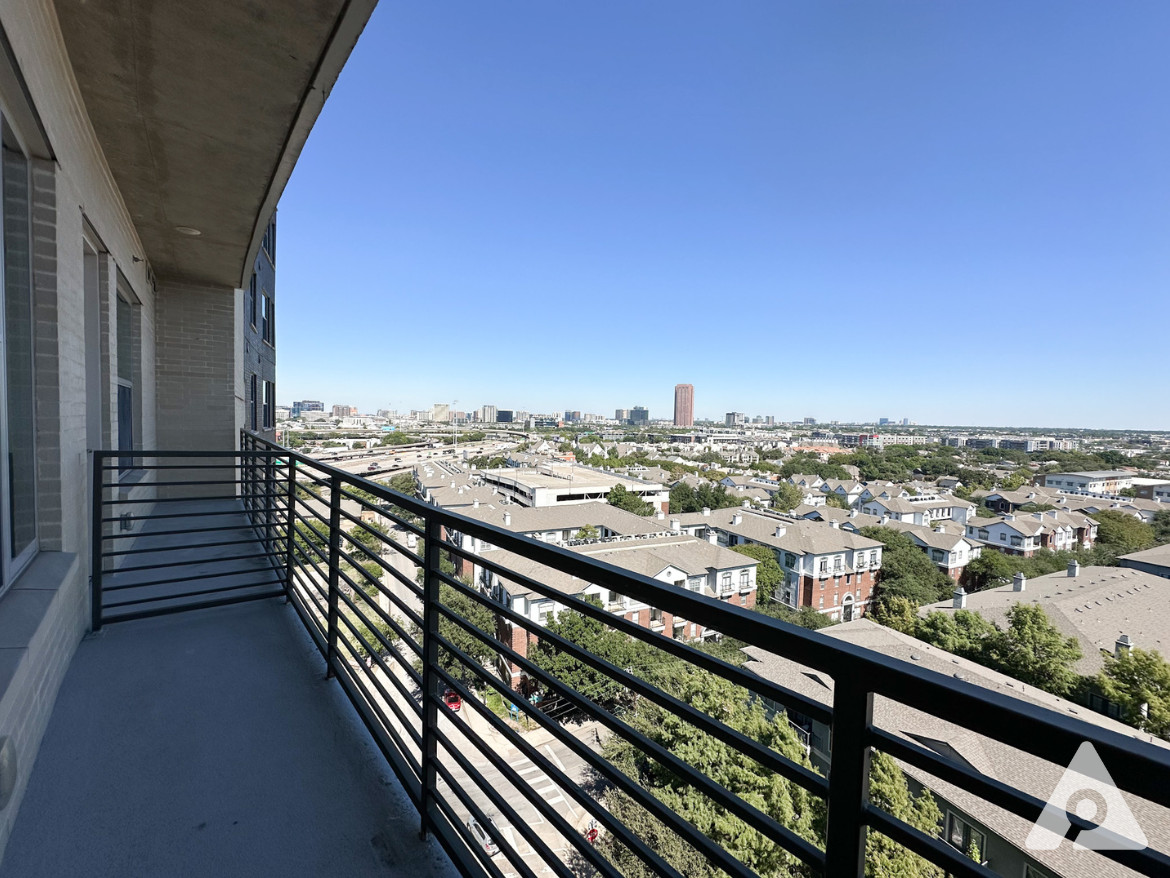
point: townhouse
(676, 559)
(1091, 482)
(1025, 534)
(922, 510)
(825, 566)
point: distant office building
(810, 421)
(572, 416)
(345, 411)
(307, 405)
(639, 416)
(621, 415)
(487, 414)
(883, 422)
(905, 422)
(769, 420)
(734, 419)
(503, 416)
(684, 405)
(440, 411)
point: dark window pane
(18, 336)
(125, 426)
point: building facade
(684, 405)
(259, 325)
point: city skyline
(868, 179)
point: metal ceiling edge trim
(348, 26)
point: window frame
(12, 565)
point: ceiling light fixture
(189, 231)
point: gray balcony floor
(209, 743)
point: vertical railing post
(290, 528)
(95, 545)
(848, 778)
(334, 568)
(430, 659)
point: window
(823, 566)
(873, 557)
(126, 332)
(250, 305)
(789, 559)
(269, 403)
(655, 614)
(267, 319)
(964, 837)
(18, 502)
(726, 581)
(1002, 537)
(543, 612)
(982, 533)
(254, 398)
(1016, 541)
(821, 604)
(744, 579)
(613, 598)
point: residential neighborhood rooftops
(1096, 606)
(986, 755)
(533, 519)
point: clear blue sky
(953, 212)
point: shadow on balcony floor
(209, 743)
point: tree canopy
(1139, 681)
(906, 571)
(1121, 533)
(629, 501)
(769, 576)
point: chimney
(1074, 569)
(1007, 516)
(781, 530)
(475, 503)
(746, 503)
(1019, 582)
(853, 513)
(960, 598)
(884, 519)
(1039, 516)
(737, 518)
(940, 528)
(507, 519)
(1123, 646)
(835, 525)
(675, 525)
(713, 538)
(707, 511)
(452, 484)
(660, 515)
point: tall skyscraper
(684, 405)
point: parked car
(452, 700)
(484, 840)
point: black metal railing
(372, 575)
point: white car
(484, 840)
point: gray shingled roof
(986, 755)
(1097, 606)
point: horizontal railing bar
(380, 510)
(783, 766)
(215, 545)
(193, 561)
(686, 773)
(401, 632)
(167, 533)
(554, 773)
(187, 483)
(748, 680)
(189, 594)
(141, 500)
(202, 605)
(953, 862)
(118, 518)
(170, 466)
(1003, 796)
(175, 579)
(106, 454)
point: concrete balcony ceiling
(202, 109)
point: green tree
(786, 497)
(991, 569)
(836, 500)
(595, 637)
(888, 790)
(403, 483)
(906, 571)
(769, 576)
(897, 612)
(1033, 651)
(588, 532)
(472, 612)
(629, 501)
(1121, 533)
(805, 617)
(1139, 681)
(398, 438)
(1161, 526)
(961, 633)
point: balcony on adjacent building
(280, 681)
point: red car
(452, 700)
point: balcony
(272, 685)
